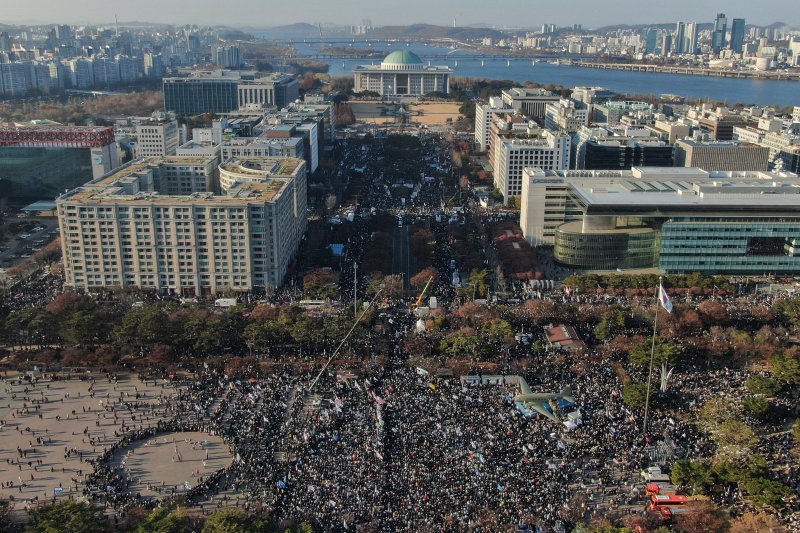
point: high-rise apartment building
(679, 45)
(228, 56)
(156, 224)
(691, 38)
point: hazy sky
(518, 13)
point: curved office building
(606, 249)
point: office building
(538, 148)
(796, 114)
(592, 95)
(225, 91)
(530, 102)
(651, 41)
(483, 120)
(402, 73)
(675, 219)
(604, 147)
(737, 35)
(790, 159)
(263, 146)
(157, 138)
(156, 223)
(719, 156)
(719, 36)
(566, 115)
(41, 161)
(611, 112)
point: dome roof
(402, 57)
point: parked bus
(667, 505)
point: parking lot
(23, 236)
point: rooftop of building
(716, 144)
(528, 92)
(125, 184)
(675, 188)
(230, 75)
(267, 167)
(264, 141)
(402, 57)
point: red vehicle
(667, 505)
(660, 488)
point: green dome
(402, 57)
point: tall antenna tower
(116, 25)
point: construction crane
(422, 294)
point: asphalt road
(401, 255)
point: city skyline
(519, 13)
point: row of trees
(81, 517)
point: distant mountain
(298, 27)
(428, 31)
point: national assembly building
(402, 73)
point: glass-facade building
(679, 220)
(731, 245)
(33, 173)
(196, 96)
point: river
(730, 90)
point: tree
(635, 395)
(713, 313)
(612, 324)
(498, 330)
(702, 517)
(758, 408)
(162, 520)
(765, 492)
(234, 521)
(665, 352)
(786, 368)
(757, 523)
(758, 384)
(735, 435)
(714, 412)
(69, 516)
(789, 310)
(478, 284)
(421, 278)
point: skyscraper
(652, 41)
(737, 35)
(691, 38)
(720, 29)
(679, 44)
(666, 44)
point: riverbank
(793, 75)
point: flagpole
(652, 356)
